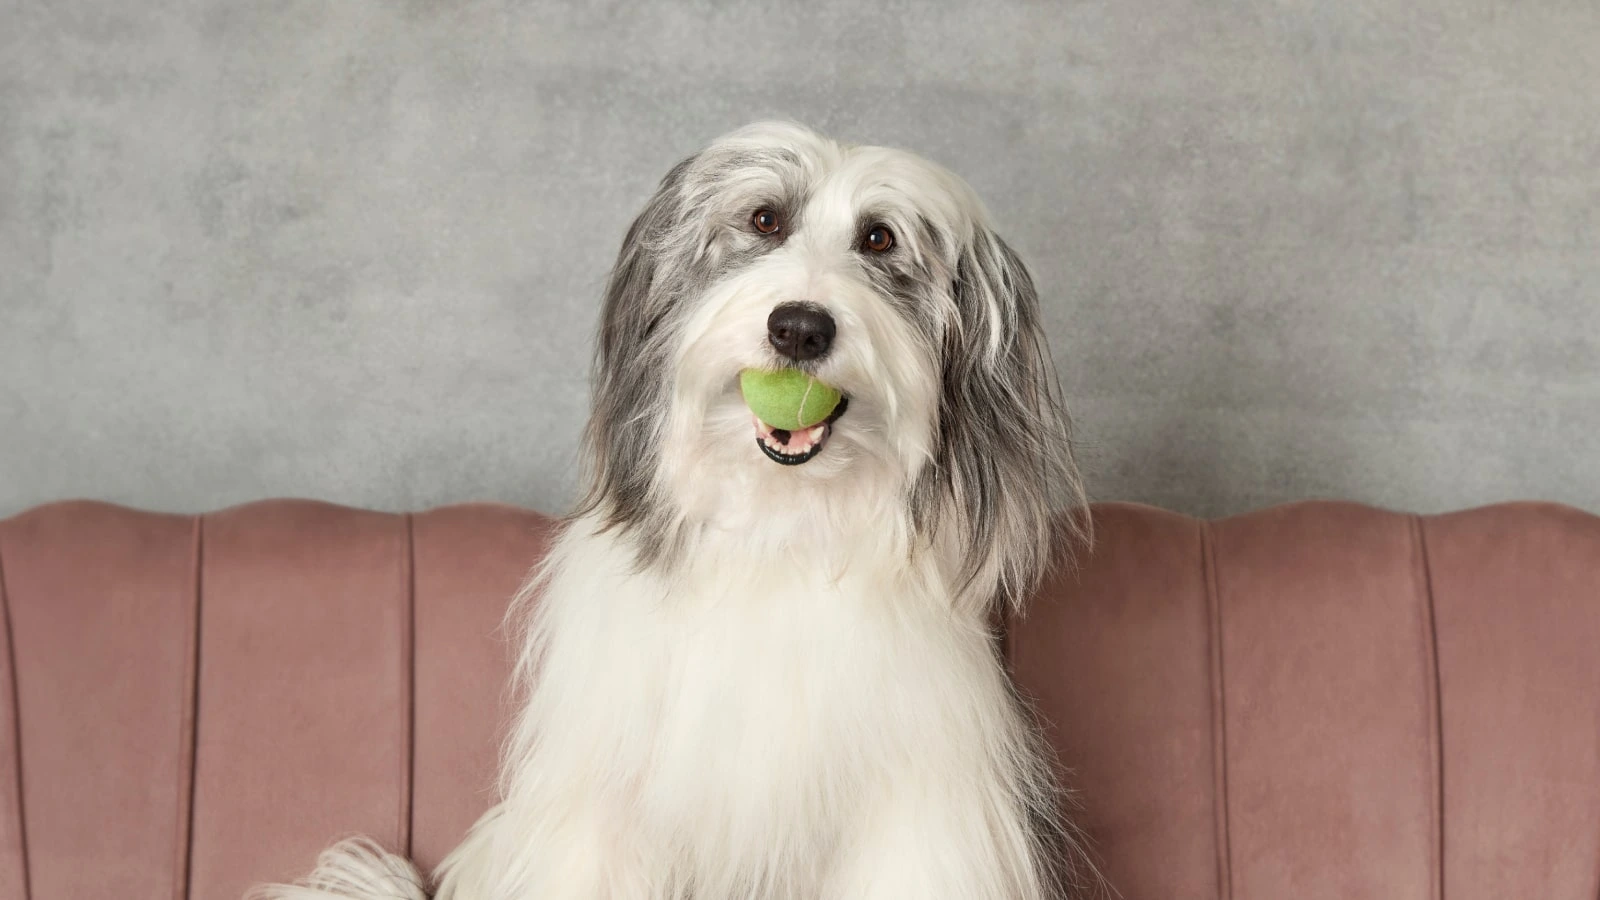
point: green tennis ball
(788, 398)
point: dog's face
(876, 272)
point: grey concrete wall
(352, 249)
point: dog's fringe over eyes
(737, 680)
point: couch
(1319, 700)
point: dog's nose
(800, 331)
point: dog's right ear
(624, 434)
(632, 307)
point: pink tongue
(798, 442)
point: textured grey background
(352, 249)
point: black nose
(800, 331)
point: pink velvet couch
(1315, 701)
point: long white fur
(356, 867)
(805, 704)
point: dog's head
(878, 273)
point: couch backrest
(1319, 700)
(202, 703)
(1326, 700)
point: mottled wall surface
(352, 250)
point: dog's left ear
(1003, 484)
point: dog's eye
(765, 221)
(879, 239)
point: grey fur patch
(694, 229)
(909, 279)
(1003, 473)
(639, 317)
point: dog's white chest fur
(756, 731)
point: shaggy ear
(1003, 484)
(622, 438)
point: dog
(763, 662)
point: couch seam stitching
(1219, 729)
(16, 733)
(408, 677)
(1435, 697)
(190, 736)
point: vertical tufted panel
(1328, 679)
(470, 561)
(1118, 658)
(101, 608)
(304, 700)
(1409, 707)
(1518, 594)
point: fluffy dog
(763, 663)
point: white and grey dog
(742, 679)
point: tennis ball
(788, 398)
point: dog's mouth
(791, 448)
